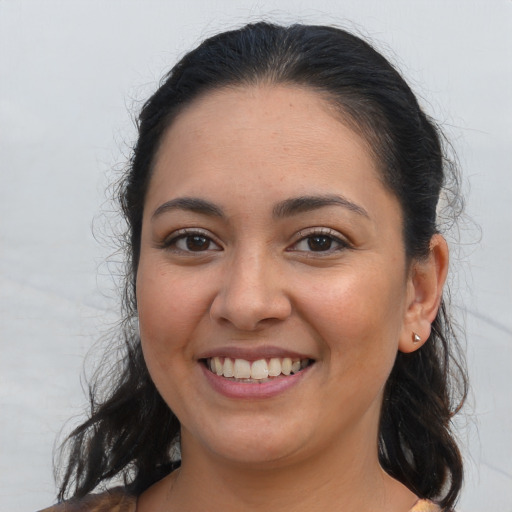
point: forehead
(249, 149)
(260, 125)
(274, 106)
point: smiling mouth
(262, 370)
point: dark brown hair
(131, 432)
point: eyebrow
(192, 204)
(286, 208)
(302, 204)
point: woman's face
(269, 241)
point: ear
(424, 292)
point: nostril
(249, 313)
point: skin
(254, 281)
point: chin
(257, 444)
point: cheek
(170, 308)
(358, 317)
(358, 324)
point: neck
(284, 487)
(349, 476)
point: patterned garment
(117, 500)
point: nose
(252, 294)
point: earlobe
(424, 294)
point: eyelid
(173, 237)
(321, 230)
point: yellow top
(425, 506)
(117, 500)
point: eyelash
(329, 235)
(171, 242)
(326, 233)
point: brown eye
(321, 240)
(190, 242)
(197, 243)
(319, 243)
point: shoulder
(113, 500)
(425, 506)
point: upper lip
(252, 353)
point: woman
(293, 349)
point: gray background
(70, 73)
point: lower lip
(253, 390)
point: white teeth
(228, 370)
(259, 369)
(242, 369)
(286, 366)
(217, 366)
(274, 367)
